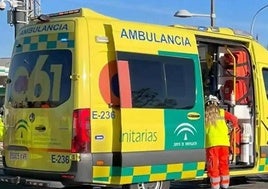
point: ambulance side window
(265, 78)
(160, 81)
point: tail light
(81, 131)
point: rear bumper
(30, 182)
(79, 173)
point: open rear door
(161, 102)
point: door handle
(40, 128)
(193, 116)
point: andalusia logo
(185, 130)
(21, 129)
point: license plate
(18, 156)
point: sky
(237, 14)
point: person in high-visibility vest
(217, 143)
(1, 134)
(1, 129)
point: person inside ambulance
(217, 142)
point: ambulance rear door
(161, 98)
(39, 101)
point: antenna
(34, 8)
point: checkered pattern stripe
(263, 166)
(44, 42)
(125, 175)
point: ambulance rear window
(39, 79)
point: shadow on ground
(204, 184)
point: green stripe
(189, 166)
(171, 176)
(178, 54)
(261, 168)
(101, 179)
(159, 169)
(141, 178)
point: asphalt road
(257, 182)
(254, 182)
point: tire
(149, 185)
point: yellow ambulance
(94, 100)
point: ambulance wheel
(149, 185)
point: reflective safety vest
(1, 130)
(217, 135)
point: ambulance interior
(225, 65)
